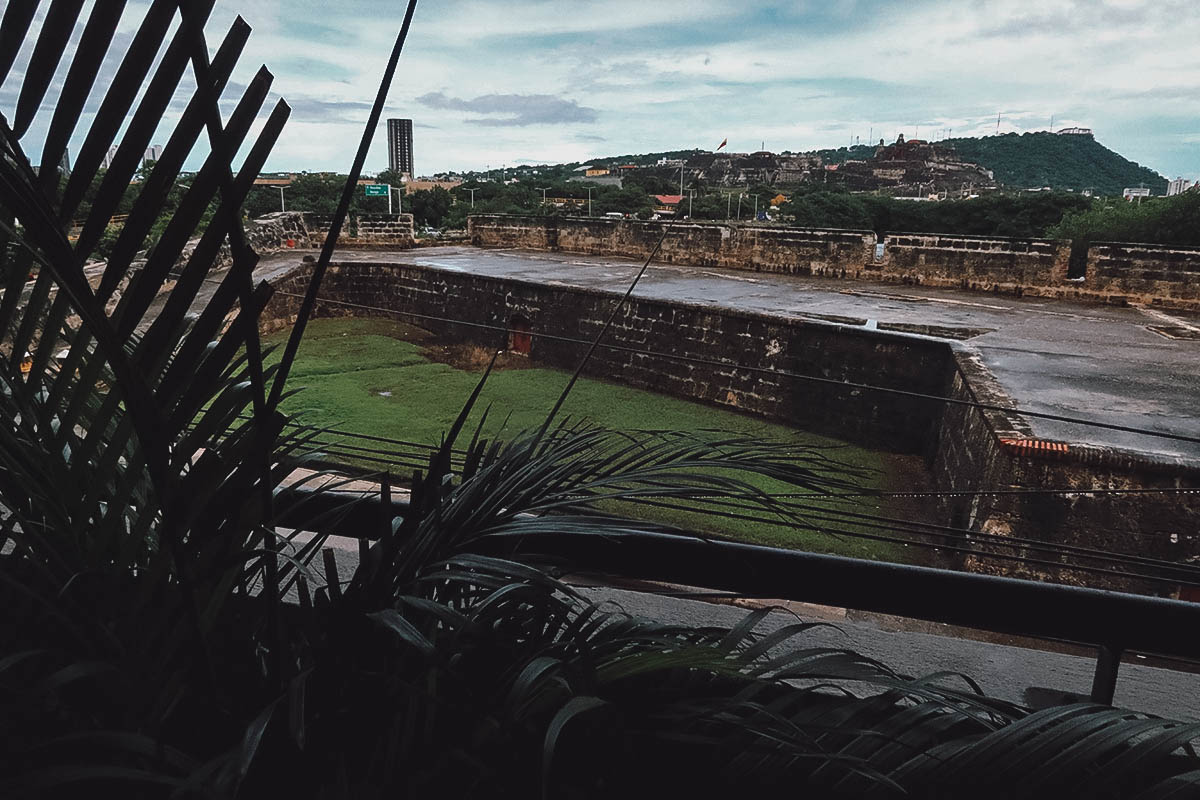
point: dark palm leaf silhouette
(136, 441)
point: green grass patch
(372, 376)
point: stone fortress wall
(1164, 277)
(285, 230)
(737, 359)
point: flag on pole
(724, 142)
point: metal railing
(1112, 622)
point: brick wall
(735, 358)
(267, 234)
(1168, 277)
(969, 457)
(737, 350)
(364, 230)
(1009, 266)
(1153, 274)
(788, 250)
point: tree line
(1060, 215)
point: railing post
(1104, 684)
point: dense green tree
(1024, 215)
(429, 206)
(708, 206)
(1165, 220)
(657, 181)
(826, 210)
(626, 200)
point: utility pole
(691, 193)
(589, 191)
(282, 204)
(728, 202)
(681, 178)
(997, 123)
(755, 207)
(740, 195)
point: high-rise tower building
(400, 146)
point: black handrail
(1113, 622)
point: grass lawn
(372, 376)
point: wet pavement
(1099, 363)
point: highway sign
(376, 189)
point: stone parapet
(1144, 273)
(1007, 266)
(1115, 273)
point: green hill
(1019, 161)
(1033, 160)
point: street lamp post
(282, 204)
(589, 191)
(755, 207)
(740, 196)
(543, 191)
(728, 203)
(691, 193)
(473, 191)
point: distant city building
(153, 153)
(424, 184)
(667, 203)
(400, 146)
(575, 202)
(596, 172)
(1136, 191)
(602, 180)
(1075, 132)
(106, 162)
(1179, 186)
(64, 165)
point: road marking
(1168, 319)
(914, 298)
(724, 276)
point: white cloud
(633, 76)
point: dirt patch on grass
(474, 358)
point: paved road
(1020, 674)
(1096, 362)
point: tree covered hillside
(1033, 160)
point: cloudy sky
(501, 83)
